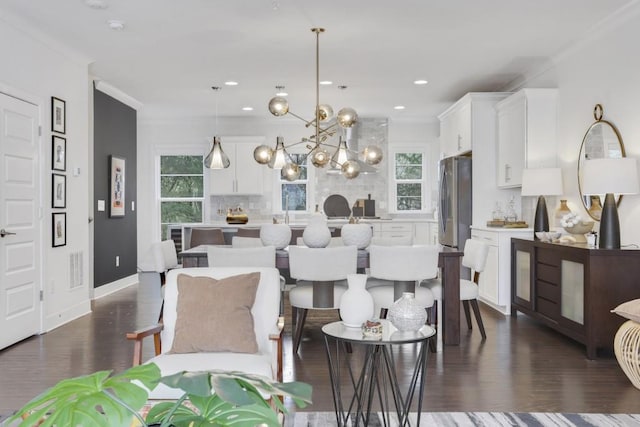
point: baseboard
(56, 320)
(109, 288)
(499, 308)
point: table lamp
(541, 182)
(609, 176)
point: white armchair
(267, 326)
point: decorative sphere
(262, 154)
(350, 169)
(326, 112)
(320, 157)
(347, 117)
(278, 106)
(278, 235)
(316, 234)
(372, 154)
(356, 235)
(290, 172)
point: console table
(573, 288)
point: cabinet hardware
(507, 173)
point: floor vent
(75, 270)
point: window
(408, 180)
(296, 193)
(181, 190)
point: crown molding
(116, 93)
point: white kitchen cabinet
(421, 232)
(527, 122)
(433, 233)
(395, 229)
(243, 176)
(463, 124)
(495, 280)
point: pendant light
(216, 159)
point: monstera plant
(103, 399)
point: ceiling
(171, 52)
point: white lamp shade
(616, 175)
(542, 182)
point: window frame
(178, 151)
(277, 187)
(424, 181)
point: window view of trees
(409, 181)
(181, 190)
(295, 191)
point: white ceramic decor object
(278, 235)
(356, 235)
(317, 234)
(356, 305)
(406, 315)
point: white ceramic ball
(356, 235)
(278, 235)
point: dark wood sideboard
(573, 288)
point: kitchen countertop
(501, 229)
(304, 222)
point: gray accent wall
(114, 134)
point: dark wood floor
(522, 366)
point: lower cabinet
(495, 280)
(573, 288)
(423, 233)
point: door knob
(4, 232)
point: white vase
(317, 234)
(356, 305)
(406, 315)
(278, 235)
(356, 235)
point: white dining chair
(475, 258)
(321, 275)
(246, 242)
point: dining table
(448, 262)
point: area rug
(479, 419)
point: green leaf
(96, 399)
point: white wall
(39, 71)
(605, 69)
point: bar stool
(206, 236)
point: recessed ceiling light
(96, 4)
(115, 24)
(326, 82)
(247, 108)
(282, 94)
(399, 107)
(280, 91)
(420, 82)
(231, 83)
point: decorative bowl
(548, 236)
(579, 230)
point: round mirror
(602, 140)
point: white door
(20, 308)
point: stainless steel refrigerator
(454, 210)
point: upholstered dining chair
(321, 275)
(392, 241)
(160, 259)
(246, 242)
(216, 318)
(475, 258)
(248, 232)
(398, 269)
(206, 236)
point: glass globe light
(278, 106)
(290, 172)
(350, 169)
(326, 112)
(217, 159)
(262, 154)
(372, 154)
(347, 117)
(320, 157)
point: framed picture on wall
(116, 189)
(59, 229)
(58, 153)
(58, 115)
(58, 191)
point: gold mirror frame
(598, 142)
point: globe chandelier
(321, 151)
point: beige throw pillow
(629, 310)
(215, 315)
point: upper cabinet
(244, 175)
(527, 122)
(455, 128)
